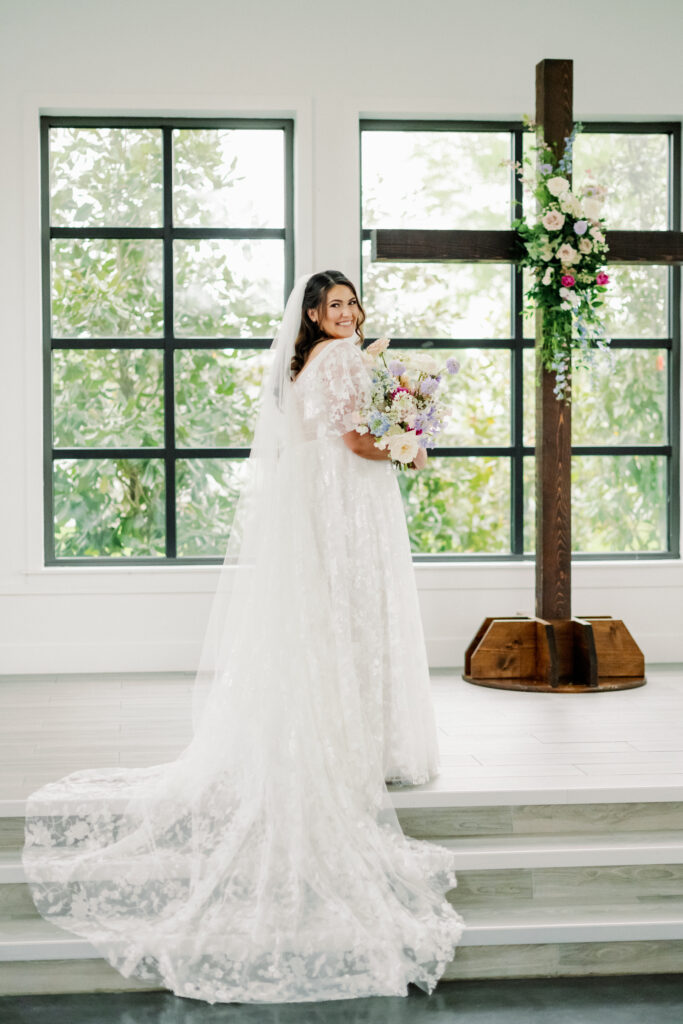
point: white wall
(324, 64)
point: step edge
(478, 934)
(417, 799)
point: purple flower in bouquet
(429, 385)
(396, 367)
(452, 365)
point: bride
(267, 864)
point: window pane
(619, 503)
(529, 484)
(477, 398)
(105, 177)
(635, 168)
(228, 177)
(436, 300)
(112, 397)
(636, 302)
(621, 399)
(109, 507)
(458, 505)
(106, 288)
(226, 288)
(216, 394)
(435, 179)
(529, 397)
(207, 491)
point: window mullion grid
(48, 432)
(169, 347)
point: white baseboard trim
(183, 656)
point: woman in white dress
(266, 864)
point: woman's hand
(420, 460)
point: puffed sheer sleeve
(341, 386)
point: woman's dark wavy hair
(315, 297)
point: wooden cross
(551, 651)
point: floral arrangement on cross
(565, 250)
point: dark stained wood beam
(434, 246)
(554, 89)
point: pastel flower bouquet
(403, 411)
(565, 249)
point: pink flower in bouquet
(380, 345)
(601, 277)
(568, 281)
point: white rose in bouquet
(403, 447)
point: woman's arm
(364, 445)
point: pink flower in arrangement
(568, 281)
(601, 277)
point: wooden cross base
(580, 655)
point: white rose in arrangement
(553, 220)
(585, 246)
(570, 296)
(567, 254)
(556, 186)
(592, 208)
(403, 447)
(380, 345)
(597, 235)
(548, 276)
(570, 203)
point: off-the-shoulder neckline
(320, 355)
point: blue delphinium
(378, 423)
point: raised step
(28, 939)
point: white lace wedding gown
(266, 864)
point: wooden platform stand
(590, 653)
(553, 651)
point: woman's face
(341, 312)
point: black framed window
(476, 498)
(167, 257)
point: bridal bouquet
(403, 411)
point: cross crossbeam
(403, 245)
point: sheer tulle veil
(256, 505)
(266, 862)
